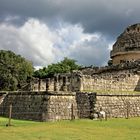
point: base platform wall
(52, 106)
(39, 106)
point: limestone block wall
(85, 104)
(25, 105)
(76, 81)
(126, 56)
(121, 77)
(120, 80)
(117, 106)
(62, 107)
(48, 106)
(127, 46)
(40, 106)
(52, 106)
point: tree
(41, 73)
(65, 66)
(14, 70)
(70, 64)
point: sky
(46, 31)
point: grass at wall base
(113, 129)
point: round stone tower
(127, 46)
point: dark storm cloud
(107, 16)
(28, 8)
(45, 31)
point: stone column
(56, 84)
(39, 84)
(65, 83)
(81, 84)
(47, 84)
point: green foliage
(41, 73)
(67, 65)
(14, 70)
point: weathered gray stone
(46, 106)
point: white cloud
(92, 51)
(33, 40)
(110, 45)
(43, 45)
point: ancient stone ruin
(79, 94)
(127, 46)
(122, 77)
(122, 74)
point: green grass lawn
(113, 129)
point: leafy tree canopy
(14, 71)
(67, 65)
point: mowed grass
(113, 129)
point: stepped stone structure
(82, 93)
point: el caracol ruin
(114, 88)
(122, 74)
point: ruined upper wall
(124, 77)
(135, 66)
(121, 77)
(127, 46)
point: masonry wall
(116, 80)
(85, 104)
(126, 56)
(117, 106)
(28, 105)
(122, 77)
(52, 106)
(62, 107)
(40, 106)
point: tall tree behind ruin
(14, 70)
(65, 66)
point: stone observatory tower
(127, 46)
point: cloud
(43, 45)
(93, 51)
(109, 17)
(45, 31)
(33, 40)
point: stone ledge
(97, 70)
(57, 93)
(113, 95)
